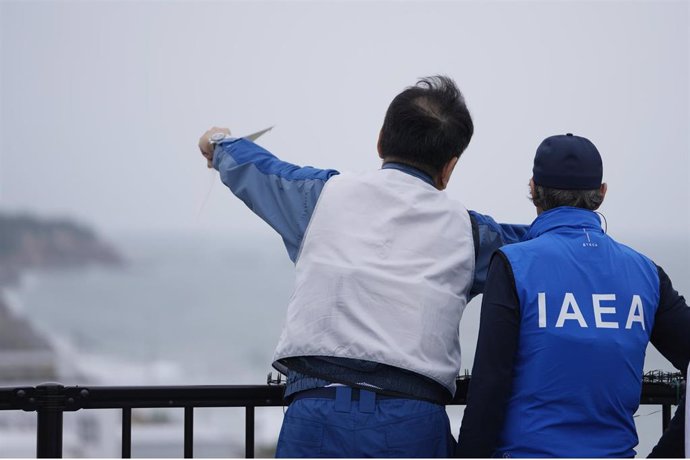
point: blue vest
(587, 306)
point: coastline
(26, 355)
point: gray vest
(383, 275)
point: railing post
(126, 432)
(49, 401)
(249, 432)
(189, 432)
(665, 417)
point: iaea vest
(587, 306)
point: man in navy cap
(566, 318)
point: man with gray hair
(566, 318)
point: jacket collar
(562, 217)
(411, 170)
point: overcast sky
(102, 103)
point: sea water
(207, 310)
(183, 310)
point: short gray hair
(548, 198)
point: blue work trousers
(357, 423)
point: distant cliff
(29, 242)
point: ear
(378, 144)
(603, 190)
(531, 196)
(446, 172)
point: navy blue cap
(567, 162)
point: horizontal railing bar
(101, 397)
(118, 397)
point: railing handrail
(51, 400)
(77, 397)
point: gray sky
(102, 103)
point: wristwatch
(217, 138)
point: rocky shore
(31, 243)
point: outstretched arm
(282, 194)
(489, 236)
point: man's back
(383, 274)
(587, 306)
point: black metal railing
(51, 400)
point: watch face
(217, 137)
